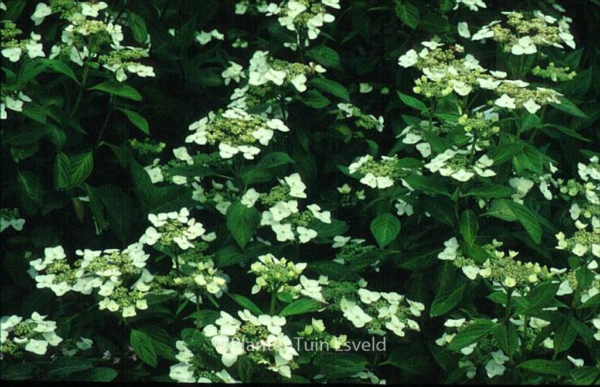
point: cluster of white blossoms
(235, 131)
(13, 49)
(456, 163)
(32, 335)
(305, 17)
(443, 74)
(264, 70)
(528, 32)
(277, 275)
(284, 214)
(86, 38)
(173, 228)
(9, 217)
(377, 310)
(379, 175)
(502, 269)
(119, 276)
(184, 371)
(260, 338)
(482, 353)
(362, 120)
(203, 37)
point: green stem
(273, 304)
(106, 120)
(197, 311)
(86, 72)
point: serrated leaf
(324, 56)
(242, 222)
(507, 338)
(81, 167)
(137, 120)
(547, 367)
(385, 228)
(65, 366)
(300, 307)
(138, 28)
(244, 302)
(447, 300)
(118, 89)
(510, 211)
(101, 374)
(469, 226)
(143, 347)
(275, 159)
(490, 191)
(412, 102)
(315, 99)
(407, 13)
(59, 67)
(331, 87)
(568, 107)
(471, 334)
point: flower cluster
(526, 33)
(361, 119)
(88, 39)
(111, 272)
(173, 228)
(235, 131)
(305, 17)
(31, 335)
(9, 217)
(500, 268)
(188, 368)
(260, 338)
(13, 48)
(274, 274)
(284, 215)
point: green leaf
(138, 27)
(300, 307)
(445, 301)
(434, 22)
(564, 336)
(546, 367)
(585, 376)
(121, 212)
(244, 302)
(81, 167)
(412, 359)
(62, 171)
(143, 347)
(59, 67)
(332, 87)
(567, 131)
(385, 229)
(510, 211)
(529, 121)
(137, 120)
(63, 367)
(101, 374)
(407, 13)
(275, 159)
(339, 365)
(490, 191)
(118, 89)
(24, 371)
(412, 102)
(507, 338)
(31, 187)
(568, 107)
(540, 296)
(242, 222)
(426, 184)
(505, 152)
(469, 226)
(447, 5)
(35, 112)
(324, 56)
(471, 334)
(315, 99)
